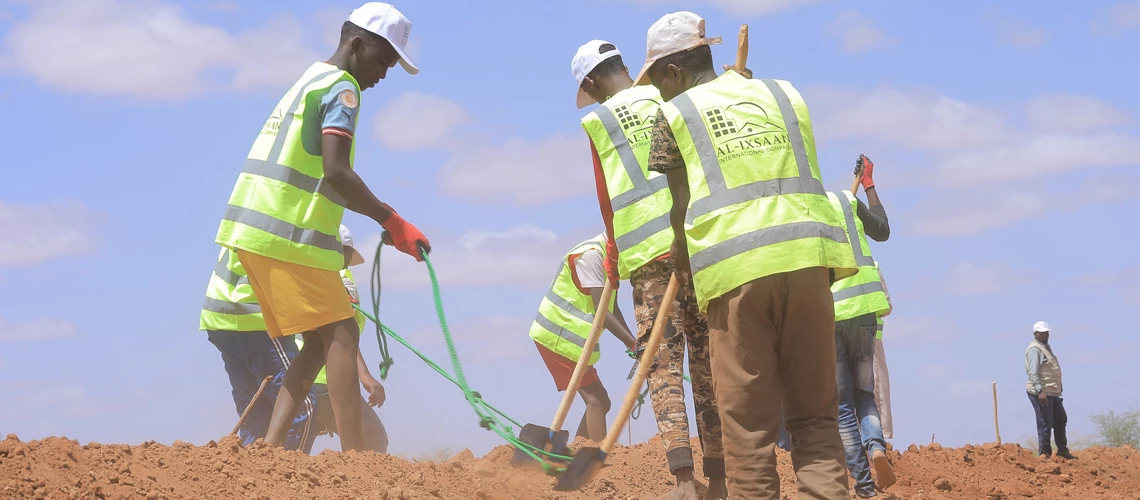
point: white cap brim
(408, 65)
(584, 99)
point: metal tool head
(586, 464)
(542, 438)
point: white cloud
(491, 338)
(944, 215)
(960, 214)
(968, 278)
(903, 329)
(1118, 18)
(1072, 113)
(736, 7)
(923, 120)
(415, 120)
(32, 234)
(36, 329)
(856, 34)
(466, 261)
(522, 172)
(968, 144)
(149, 48)
(968, 388)
(1040, 155)
(1024, 36)
(71, 399)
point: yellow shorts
(295, 298)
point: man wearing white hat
(1044, 389)
(752, 222)
(635, 208)
(375, 436)
(284, 213)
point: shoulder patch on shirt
(348, 98)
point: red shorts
(562, 369)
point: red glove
(612, 271)
(405, 237)
(868, 167)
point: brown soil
(61, 468)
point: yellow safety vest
(879, 327)
(566, 313)
(230, 303)
(757, 206)
(863, 293)
(620, 130)
(281, 207)
(350, 285)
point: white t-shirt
(590, 269)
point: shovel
(553, 439)
(587, 461)
(858, 174)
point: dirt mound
(61, 468)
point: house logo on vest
(636, 127)
(273, 124)
(743, 129)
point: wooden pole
(997, 432)
(250, 405)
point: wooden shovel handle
(643, 366)
(584, 359)
(742, 49)
(250, 405)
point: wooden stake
(250, 405)
(997, 431)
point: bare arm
(615, 322)
(339, 174)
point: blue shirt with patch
(334, 113)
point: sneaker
(1066, 455)
(884, 473)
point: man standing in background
(1044, 388)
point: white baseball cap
(354, 257)
(673, 33)
(588, 57)
(1041, 327)
(387, 22)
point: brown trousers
(772, 345)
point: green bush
(1118, 430)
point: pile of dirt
(62, 468)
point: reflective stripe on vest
(863, 293)
(620, 130)
(280, 206)
(566, 315)
(230, 304)
(757, 205)
(879, 327)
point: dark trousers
(1051, 416)
(249, 357)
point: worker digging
(750, 282)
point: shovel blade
(581, 470)
(542, 438)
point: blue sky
(1005, 138)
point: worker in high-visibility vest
(635, 208)
(232, 320)
(860, 301)
(375, 435)
(562, 325)
(752, 221)
(285, 210)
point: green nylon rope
(487, 413)
(381, 340)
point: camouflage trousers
(666, 385)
